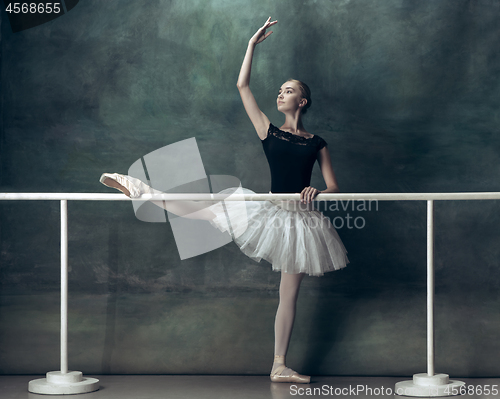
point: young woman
(291, 235)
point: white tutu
(293, 237)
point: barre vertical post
(430, 288)
(64, 286)
(429, 384)
(64, 382)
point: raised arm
(259, 120)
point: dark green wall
(405, 92)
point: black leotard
(291, 159)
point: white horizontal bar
(254, 197)
(64, 196)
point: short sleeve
(321, 143)
(270, 130)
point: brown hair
(305, 91)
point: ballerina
(291, 235)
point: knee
(288, 298)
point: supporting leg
(285, 317)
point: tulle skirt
(293, 237)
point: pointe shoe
(122, 183)
(294, 377)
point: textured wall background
(407, 95)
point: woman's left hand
(308, 194)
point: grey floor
(244, 387)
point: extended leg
(188, 209)
(133, 187)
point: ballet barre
(423, 384)
(253, 197)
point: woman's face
(289, 97)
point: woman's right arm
(259, 120)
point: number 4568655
(473, 390)
(34, 8)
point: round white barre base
(58, 383)
(424, 385)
